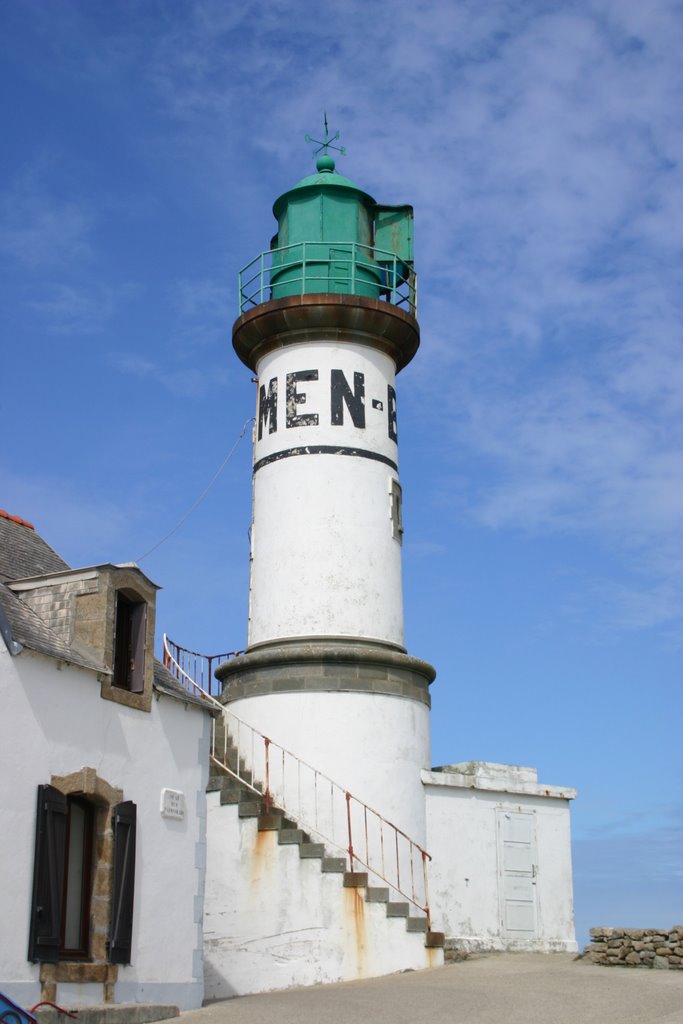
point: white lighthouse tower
(328, 318)
(323, 737)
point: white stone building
(105, 764)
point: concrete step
(333, 865)
(222, 782)
(271, 822)
(216, 771)
(416, 924)
(311, 850)
(435, 940)
(355, 879)
(230, 796)
(249, 809)
(233, 792)
(109, 1013)
(397, 909)
(376, 894)
(290, 836)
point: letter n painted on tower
(341, 395)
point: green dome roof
(328, 179)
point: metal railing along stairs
(317, 803)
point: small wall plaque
(172, 804)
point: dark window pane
(129, 643)
(77, 880)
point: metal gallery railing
(325, 810)
(197, 669)
(330, 267)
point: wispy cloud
(629, 848)
(181, 382)
(629, 873)
(204, 307)
(84, 527)
(69, 309)
(39, 229)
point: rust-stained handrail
(196, 669)
(321, 806)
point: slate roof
(23, 552)
(30, 631)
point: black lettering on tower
(295, 398)
(267, 408)
(391, 414)
(341, 394)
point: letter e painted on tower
(391, 414)
(341, 394)
(295, 398)
(267, 408)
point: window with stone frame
(130, 627)
(67, 872)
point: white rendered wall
(373, 745)
(465, 872)
(54, 722)
(274, 920)
(325, 561)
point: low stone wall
(636, 947)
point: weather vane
(327, 144)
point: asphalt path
(502, 988)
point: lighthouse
(327, 319)
(346, 846)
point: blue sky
(541, 146)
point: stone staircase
(250, 805)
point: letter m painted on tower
(267, 408)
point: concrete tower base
(356, 711)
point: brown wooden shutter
(138, 639)
(48, 876)
(120, 939)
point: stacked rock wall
(636, 947)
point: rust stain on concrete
(261, 859)
(433, 957)
(354, 908)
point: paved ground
(503, 988)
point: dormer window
(129, 642)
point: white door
(517, 873)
